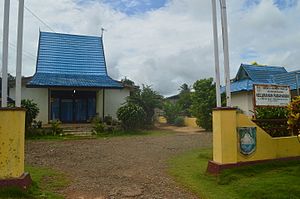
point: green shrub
(55, 127)
(172, 111)
(115, 122)
(131, 116)
(271, 113)
(37, 132)
(179, 121)
(294, 116)
(36, 124)
(265, 117)
(108, 120)
(32, 111)
(97, 126)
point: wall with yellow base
(226, 145)
(188, 121)
(162, 120)
(12, 128)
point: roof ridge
(79, 35)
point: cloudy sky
(165, 43)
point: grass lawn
(103, 135)
(270, 180)
(135, 133)
(45, 183)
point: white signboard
(271, 95)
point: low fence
(227, 141)
(188, 121)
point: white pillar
(5, 53)
(19, 53)
(216, 53)
(226, 52)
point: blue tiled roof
(71, 80)
(71, 61)
(252, 74)
(242, 85)
(262, 74)
(288, 79)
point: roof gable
(262, 74)
(66, 60)
(70, 54)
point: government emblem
(247, 140)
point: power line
(38, 18)
(26, 53)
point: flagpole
(5, 53)
(216, 53)
(19, 53)
(226, 52)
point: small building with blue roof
(71, 83)
(242, 85)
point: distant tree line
(197, 101)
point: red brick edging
(216, 168)
(23, 182)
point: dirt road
(122, 167)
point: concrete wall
(99, 103)
(114, 98)
(39, 96)
(12, 132)
(161, 120)
(190, 122)
(226, 146)
(244, 101)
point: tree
(184, 88)
(148, 99)
(32, 111)
(127, 82)
(130, 84)
(172, 111)
(185, 100)
(203, 101)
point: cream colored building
(71, 83)
(113, 99)
(248, 75)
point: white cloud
(171, 45)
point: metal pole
(216, 53)
(5, 53)
(297, 83)
(19, 53)
(226, 52)
(103, 105)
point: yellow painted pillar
(225, 136)
(12, 135)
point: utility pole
(5, 53)
(216, 53)
(19, 53)
(226, 51)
